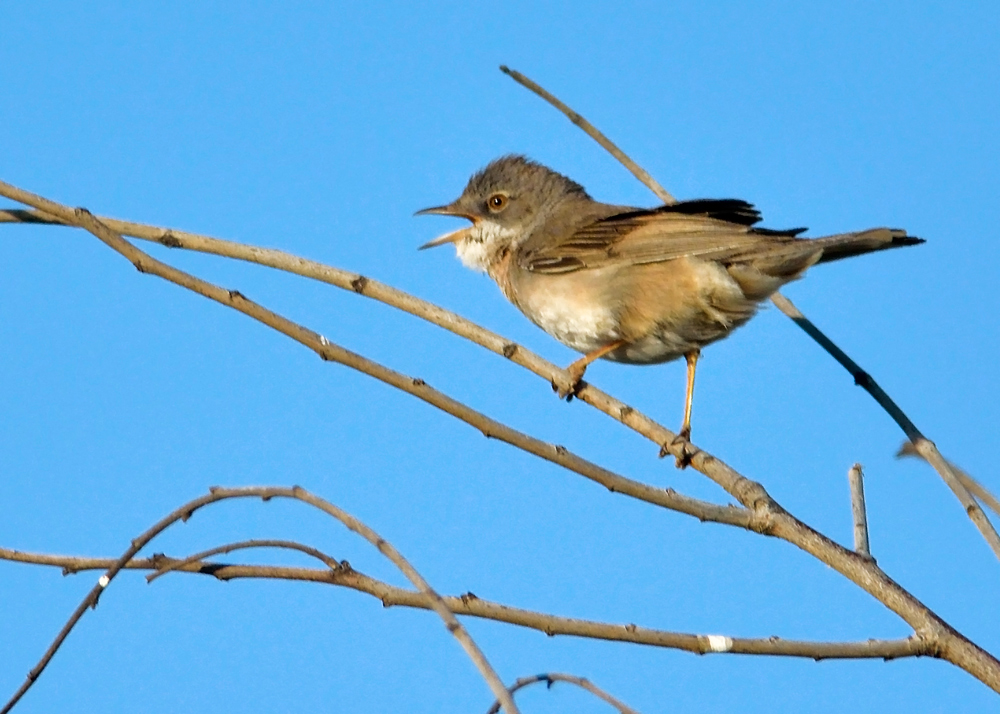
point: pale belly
(557, 306)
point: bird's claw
(683, 446)
(575, 385)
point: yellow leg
(692, 363)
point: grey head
(505, 201)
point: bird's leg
(577, 369)
(692, 363)
(684, 435)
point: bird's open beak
(454, 236)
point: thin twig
(551, 678)
(172, 565)
(474, 606)
(266, 493)
(921, 444)
(592, 131)
(975, 487)
(855, 478)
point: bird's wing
(710, 229)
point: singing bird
(633, 285)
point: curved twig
(169, 566)
(551, 678)
(266, 493)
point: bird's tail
(847, 245)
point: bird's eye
(497, 202)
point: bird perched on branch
(633, 285)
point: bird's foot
(681, 447)
(575, 384)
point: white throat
(481, 243)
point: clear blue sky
(320, 130)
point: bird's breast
(572, 307)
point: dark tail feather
(847, 245)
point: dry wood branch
(551, 678)
(474, 606)
(592, 131)
(921, 444)
(855, 478)
(171, 565)
(977, 489)
(766, 516)
(667, 498)
(266, 493)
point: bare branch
(172, 565)
(766, 515)
(473, 606)
(977, 489)
(666, 498)
(592, 131)
(855, 478)
(551, 678)
(435, 602)
(923, 446)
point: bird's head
(505, 201)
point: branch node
(170, 240)
(417, 382)
(236, 295)
(509, 350)
(359, 284)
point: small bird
(633, 285)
